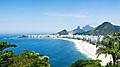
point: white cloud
(25, 8)
(66, 15)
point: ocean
(61, 53)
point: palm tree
(110, 45)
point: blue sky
(24, 16)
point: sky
(43, 16)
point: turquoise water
(61, 52)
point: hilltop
(103, 29)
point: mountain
(77, 30)
(63, 32)
(104, 29)
(87, 28)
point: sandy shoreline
(89, 50)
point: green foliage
(86, 63)
(4, 45)
(110, 64)
(30, 59)
(118, 64)
(26, 59)
(6, 58)
(110, 45)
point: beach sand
(89, 50)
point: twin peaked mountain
(78, 30)
(102, 29)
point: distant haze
(28, 16)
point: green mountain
(63, 32)
(103, 29)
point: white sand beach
(89, 50)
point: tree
(5, 57)
(25, 59)
(86, 63)
(110, 45)
(30, 59)
(4, 45)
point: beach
(89, 50)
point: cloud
(25, 8)
(66, 15)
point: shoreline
(89, 50)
